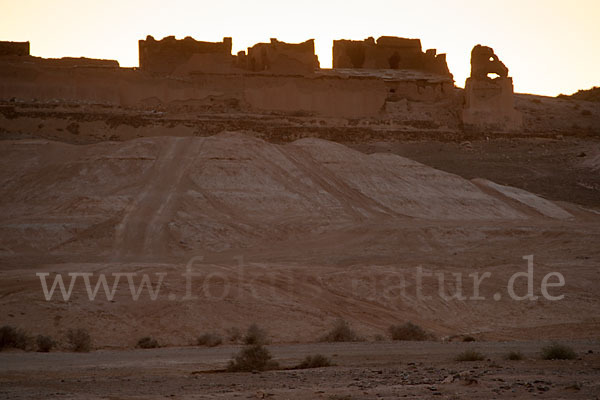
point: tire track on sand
(142, 233)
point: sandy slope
(294, 235)
(217, 192)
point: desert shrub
(557, 351)
(408, 331)
(255, 335)
(234, 334)
(514, 356)
(255, 357)
(44, 343)
(341, 332)
(379, 338)
(300, 113)
(315, 361)
(209, 339)
(469, 338)
(147, 343)
(470, 355)
(79, 340)
(11, 337)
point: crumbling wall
(273, 77)
(49, 81)
(281, 58)
(388, 53)
(169, 55)
(489, 102)
(72, 62)
(420, 90)
(14, 48)
(325, 96)
(484, 62)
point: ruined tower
(489, 103)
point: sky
(549, 46)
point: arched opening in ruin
(394, 60)
(264, 60)
(357, 56)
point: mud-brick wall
(329, 96)
(325, 96)
(49, 84)
(14, 48)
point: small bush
(408, 331)
(557, 351)
(379, 338)
(44, 343)
(209, 339)
(469, 339)
(341, 332)
(147, 343)
(316, 361)
(586, 112)
(255, 335)
(234, 334)
(470, 355)
(254, 357)
(79, 340)
(515, 356)
(11, 337)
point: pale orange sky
(549, 46)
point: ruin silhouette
(387, 79)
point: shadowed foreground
(381, 370)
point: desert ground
(293, 233)
(293, 236)
(381, 370)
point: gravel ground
(380, 370)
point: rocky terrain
(382, 370)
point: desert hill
(592, 94)
(290, 236)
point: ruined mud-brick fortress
(386, 85)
